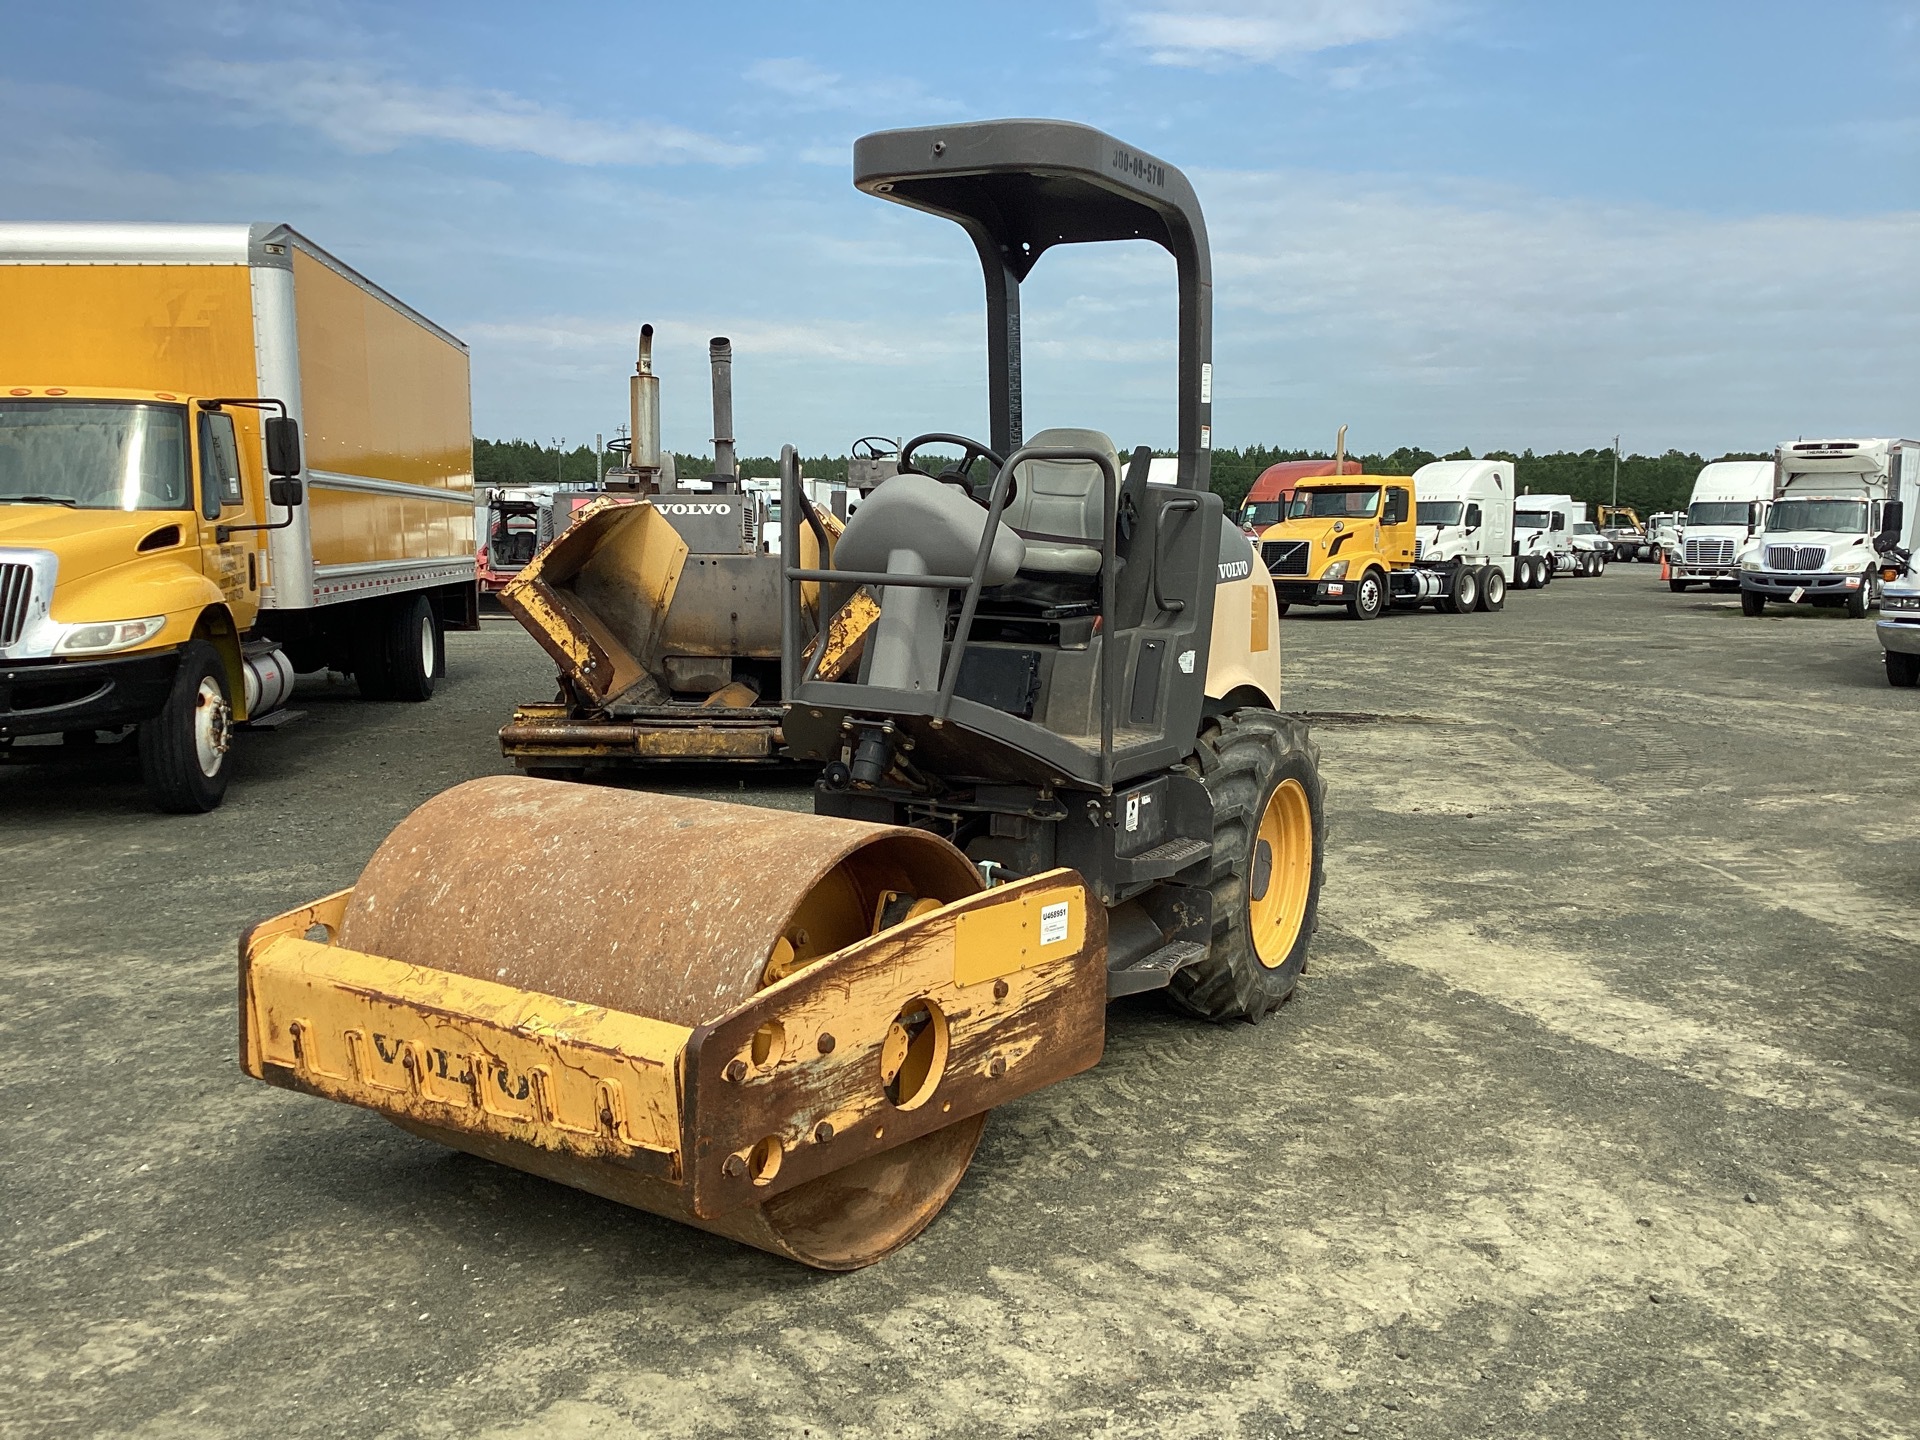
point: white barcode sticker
(1053, 923)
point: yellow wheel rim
(1281, 874)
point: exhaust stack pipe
(1340, 452)
(643, 456)
(720, 355)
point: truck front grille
(1796, 557)
(1709, 552)
(1285, 557)
(16, 595)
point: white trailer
(1828, 501)
(1728, 508)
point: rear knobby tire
(1244, 759)
(184, 749)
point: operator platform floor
(1595, 1115)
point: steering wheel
(957, 474)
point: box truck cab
(168, 555)
(1353, 540)
(1828, 503)
(1726, 510)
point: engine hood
(88, 541)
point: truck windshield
(93, 455)
(1838, 516)
(1329, 503)
(1437, 512)
(1717, 512)
(1531, 519)
(1585, 527)
(1262, 512)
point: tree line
(1647, 482)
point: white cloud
(1442, 315)
(368, 111)
(1216, 32)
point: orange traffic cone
(1665, 573)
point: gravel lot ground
(1595, 1116)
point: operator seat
(914, 525)
(1061, 500)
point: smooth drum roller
(780, 1027)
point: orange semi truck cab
(169, 556)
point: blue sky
(1442, 222)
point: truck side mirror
(283, 451)
(285, 490)
(1892, 521)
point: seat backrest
(935, 523)
(1062, 497)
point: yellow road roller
(1052, 773)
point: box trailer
(224, 457)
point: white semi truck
(1557, 526)
(1727, 509)
(1829, 498)
(1463, 512)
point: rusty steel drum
(671, 908)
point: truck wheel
(397, 656)
(1864, 599)
(1262, 773)
(1752, 603)
(184, 749)
(1493, 589)
(1280, 607)
(1463, 595)
(415, 642)
(1678, 587)
(1903, 670)
(1369, 596)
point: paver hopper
(788, 1028)
(662, 613)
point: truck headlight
(1751, 561)
(1336, 571)
(1899, 602)
(105, 636)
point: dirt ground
(1594, 1117)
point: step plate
(1155, 971)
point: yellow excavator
(1053, 772)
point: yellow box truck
(169, 556)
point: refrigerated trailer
(225, 457)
